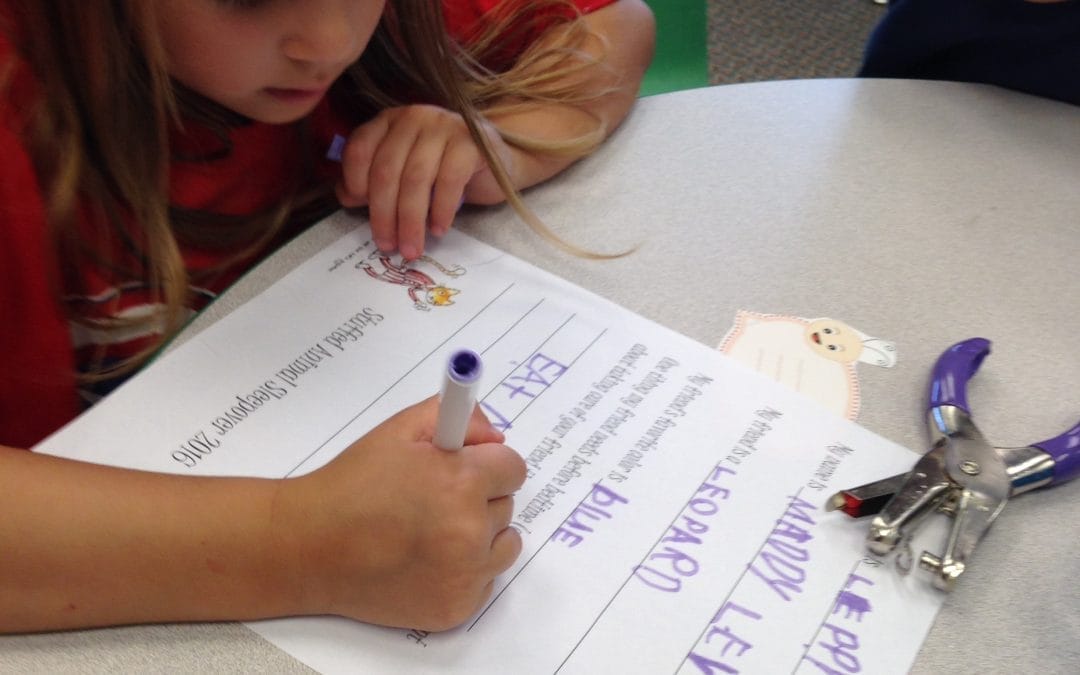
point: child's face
(270, 60)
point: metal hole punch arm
(1065, 451)
(961, 476)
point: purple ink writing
(597, 506)
(722, 643)
(841, 644)
(497, 419)
(835, 649)
(781, 563)
(520, 387)
(672, 560)
(533, 377)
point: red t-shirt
(468, 18)
(40, 352)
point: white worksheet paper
(672, 517)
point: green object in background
(682, 59)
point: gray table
(919, 212)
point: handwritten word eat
(520, 387)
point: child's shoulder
(463, 16)
(19, 89)
(467, 20)
(20, 197)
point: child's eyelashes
(243, 4)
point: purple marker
(337, 145)
(460, 384)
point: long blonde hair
(99, 134)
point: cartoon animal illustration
(816, 357)
(421, 287)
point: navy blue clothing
(1030, 47)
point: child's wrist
(292, 550)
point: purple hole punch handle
(1065, 449)
(948, 384)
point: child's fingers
(505, 549)
(356, 158)
(385, 182)
(347, 199)
(478, 431)
(388, 161)
(481, 430)
(458, 165)
(502, 512)
(499, 468)
(414, 192)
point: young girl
(153, 150)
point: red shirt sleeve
(465, 19)
(471, 10)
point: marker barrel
(460, 384)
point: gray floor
(752, 40)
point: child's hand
(413, 166)
(397, 532)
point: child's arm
(393, 531)
(412, 166)
(623, 36)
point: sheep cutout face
(816, 357)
